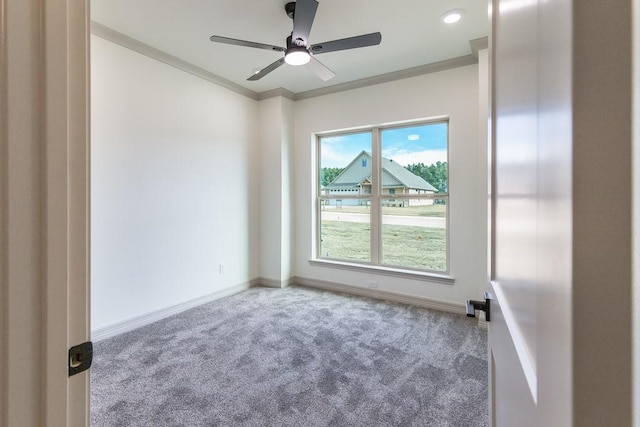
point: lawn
(406, 246)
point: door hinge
(485, 306)
(80, 357)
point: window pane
(345, 170)
(345, 229)
(414, 233)
(412, 230)
(345, 164)
(414, 159)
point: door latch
(80, 357)
(473, 305)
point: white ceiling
(413, 34)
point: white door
(530, 329)
(560, 341)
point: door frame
(44, 254)
(67, 315)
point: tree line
(329, 174)
(435, 174)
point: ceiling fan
(298, 50)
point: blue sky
(415, 144)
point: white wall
(275, 122)
(270, 184)
(484, 180)
(172, 186)
(288, 204)
(188, 175)
(453, 93)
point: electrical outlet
(373, 284)
(221, 268)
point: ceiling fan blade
(348, 43)
(227, 40)
(303, 16)
(320, 69)
(266, 70)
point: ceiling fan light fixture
(298, 50)
(452, 16)
(297, 56)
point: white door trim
(44, 210)
(21, 240)
(66, 129)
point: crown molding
(123, 40)
(118, 38)
(435, 67)
(478, 45)
(277, 92)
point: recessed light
(452, 16)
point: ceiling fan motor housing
(290, 8)
(295, 43)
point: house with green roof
(355, 180)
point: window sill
(388, 271)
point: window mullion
(318, 204)
(376, 179)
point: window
(383, 196)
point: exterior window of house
(395, 209)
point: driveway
(414, 221)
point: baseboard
(271, 283)
(381, 295)
(253, 283)
(148, 318)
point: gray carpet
(294, 357)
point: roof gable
(405, 176)
(358, 170)
(393, 174)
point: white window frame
(376, 197)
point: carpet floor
(294, 357)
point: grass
(438, 211)
(402, 246)
(418, 247)
(345, 240)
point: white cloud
(428, 157)
(334, 139)
(332, 158)
(392, 150)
